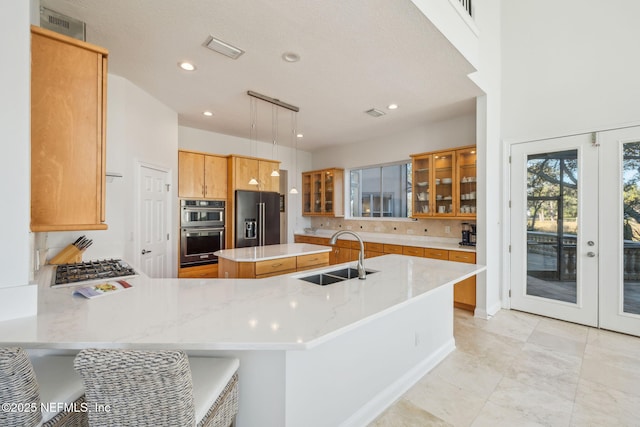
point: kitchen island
(258, 262)
(309, 355)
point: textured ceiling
(355, 55)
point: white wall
(16, 298)
(216, 143)
(139, 129)
(455, 132)
(569, 66)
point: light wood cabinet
(466, 181)
(68, 139)
(208, 271)
(272, 267)
(464, 292)
(202, 176)
(243, 169)
(444, 184)
(323, 193)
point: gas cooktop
(92, 271)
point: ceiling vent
(375, 113)
(62, 24)
(224, 48)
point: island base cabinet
(464, 292)
(229, 269)
(208, 271)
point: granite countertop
(450, 244)
(276, 313)
(263, 253)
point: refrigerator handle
(261, 215)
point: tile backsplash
(422, 227)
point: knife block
(70, 254)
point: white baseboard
(18, 301)
(372, 409)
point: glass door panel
(306, 193)
(317, 185)
(422, 185)
(328, 192)
(552, 187)
(466, 182)
(443, 166)
(631, 228)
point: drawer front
(202, 271)
(436, 253)
(459, 256)
(412, 251)
(372, 254)
(392, 249)
(319, 241)
(312, 260)
(375, 247)
(275, 265)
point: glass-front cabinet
(444, 183)
(322, 192)
(466, 181)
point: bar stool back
(154, 388)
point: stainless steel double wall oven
(202, 231)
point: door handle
(144, 251)
(591, 254)
(590, 243)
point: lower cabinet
(209, 271)
(228, 269)
(464, 292)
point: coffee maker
(468, 234)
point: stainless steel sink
(335, 276)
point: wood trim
(67, 227)
(446, 150)
(68, 40)
(103, 139)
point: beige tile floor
(519, 369)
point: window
(380, 191)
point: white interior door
(620, 230)
(554, 228)
(153, 222)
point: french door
(575, 229)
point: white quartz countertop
(263, 253)
(450, 244)
(276, 313)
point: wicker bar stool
(49, 380)
(158, 388)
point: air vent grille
(224, 48)
(54, 21)
(375, 113)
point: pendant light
(253, 131)
(274, 135)
(294, 140)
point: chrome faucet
(362, 274)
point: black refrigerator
(257, 218)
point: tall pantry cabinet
(68, 141)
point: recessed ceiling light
(187, 66)
(291, 57)
(299, 135)
(208, 113)
(392, 106)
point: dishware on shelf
(423, 184)
(448, 198)
(439, 197)
(447, 180)
(425, 209)
(422, 197)
(442, 209)
(437, 181)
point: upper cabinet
(243, 169)
(202, 176)
(442, 184)
(322, 193)
(466, 176)
(68, 141)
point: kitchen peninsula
(309, 355)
